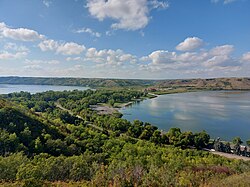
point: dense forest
(56, 138)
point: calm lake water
(224, 114)
(10, 88)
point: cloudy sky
(153, 39)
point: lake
(10, 88)
(223, 114)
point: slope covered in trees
(42, 144)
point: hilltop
(213, 84)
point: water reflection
(224, 113)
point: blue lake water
(223, 114)
(10, 88)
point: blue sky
(152, 39)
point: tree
(237, 140)
(111, 102)
(227, 148)
(248, 142)
(38, 145)
(174, 136)
(201, 139)
(135, 130)
(186, 139)
(156, 137)
(218, 145)
(26, 136)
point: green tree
(174, 136)
(38, 145)
(237, 140)
(248, 142)
(201, 139)
(227, 148)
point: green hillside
(56, 139)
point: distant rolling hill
(213, 83)
(92, 82)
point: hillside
(42, 144)
(213, 84)
(92, 82)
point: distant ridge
(92, 82)
(233, 83)
(215, 83)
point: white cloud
(109, 57)
(47, 3)
(129, 14)
(15, 47)
(13, 51)
(158, 4)
(40, 62)
(162, 57)
(73, 59)
(246, 57)
(216, 60)
(69, 48)
(48, 45)
(33, 67)
(2, 26)
(21, 34)
(224, 1)
(222, 50)
(190, 44)
(220, 56)
(5, 55)
(89, 31)
(161, 60)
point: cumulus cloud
(246, 57)
(222, 50)
(48, 45)
(21, 34)
(216, 60)
(13, 51)
(68, 48)
(109, 57)
(129, 14)
(190, 44)
(89, 31)
(15, 47)
(5, 55)
(162, 57)
(219, 56)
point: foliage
(42, 143)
